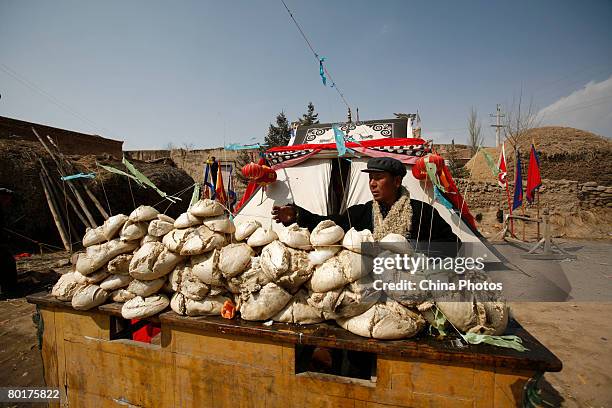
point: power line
(570, 75)
(580, 106)
(53, 99)
(316, 55)
(562, 89)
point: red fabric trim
(293, 162)
(458, 201)
(377, 153)
(365, 143)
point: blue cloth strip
(78, 175)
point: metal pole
(498, 115)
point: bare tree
(474, 130)
(519, 119)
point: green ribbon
(120, 172)
(195, 196)
(145, 180)
(508, 341)
(490, 163)
(431, 170)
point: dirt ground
(578, 332)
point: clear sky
(202, 73)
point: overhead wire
(317, 57)
(95, 126)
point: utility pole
(498, 115)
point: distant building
(68, 141)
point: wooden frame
(213, 362)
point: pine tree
(280, 134)
(242, 159)
(310, 117)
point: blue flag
(231, 193)
(339, 137)
(518, 184)
(340, 143)
(322, 71)
(439, 197)
(237, 146)
(209, 188)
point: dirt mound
(563, 141)
(29, 215)
(565, 153)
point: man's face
(384, 185)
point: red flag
(501, 165)
(456, 198)
(534, 181)
(220, 189)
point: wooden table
(214, 362)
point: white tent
(307, 184)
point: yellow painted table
(214, 362)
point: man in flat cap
(390, 211)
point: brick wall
(69, 142)
(192, 161)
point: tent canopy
(304, 177)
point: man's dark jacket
(360, 217)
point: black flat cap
(388, 164)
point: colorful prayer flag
(438, 196)
(195, 196)
(322, 71)
(339, 138)
(490, 162)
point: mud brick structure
(68, 141)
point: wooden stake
(77, 195)
(510, 209)
(55, 214)
(537, 196)
(523, 214)
(70, 200)
(87, 191)
(56, 195)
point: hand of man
(285, 214)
